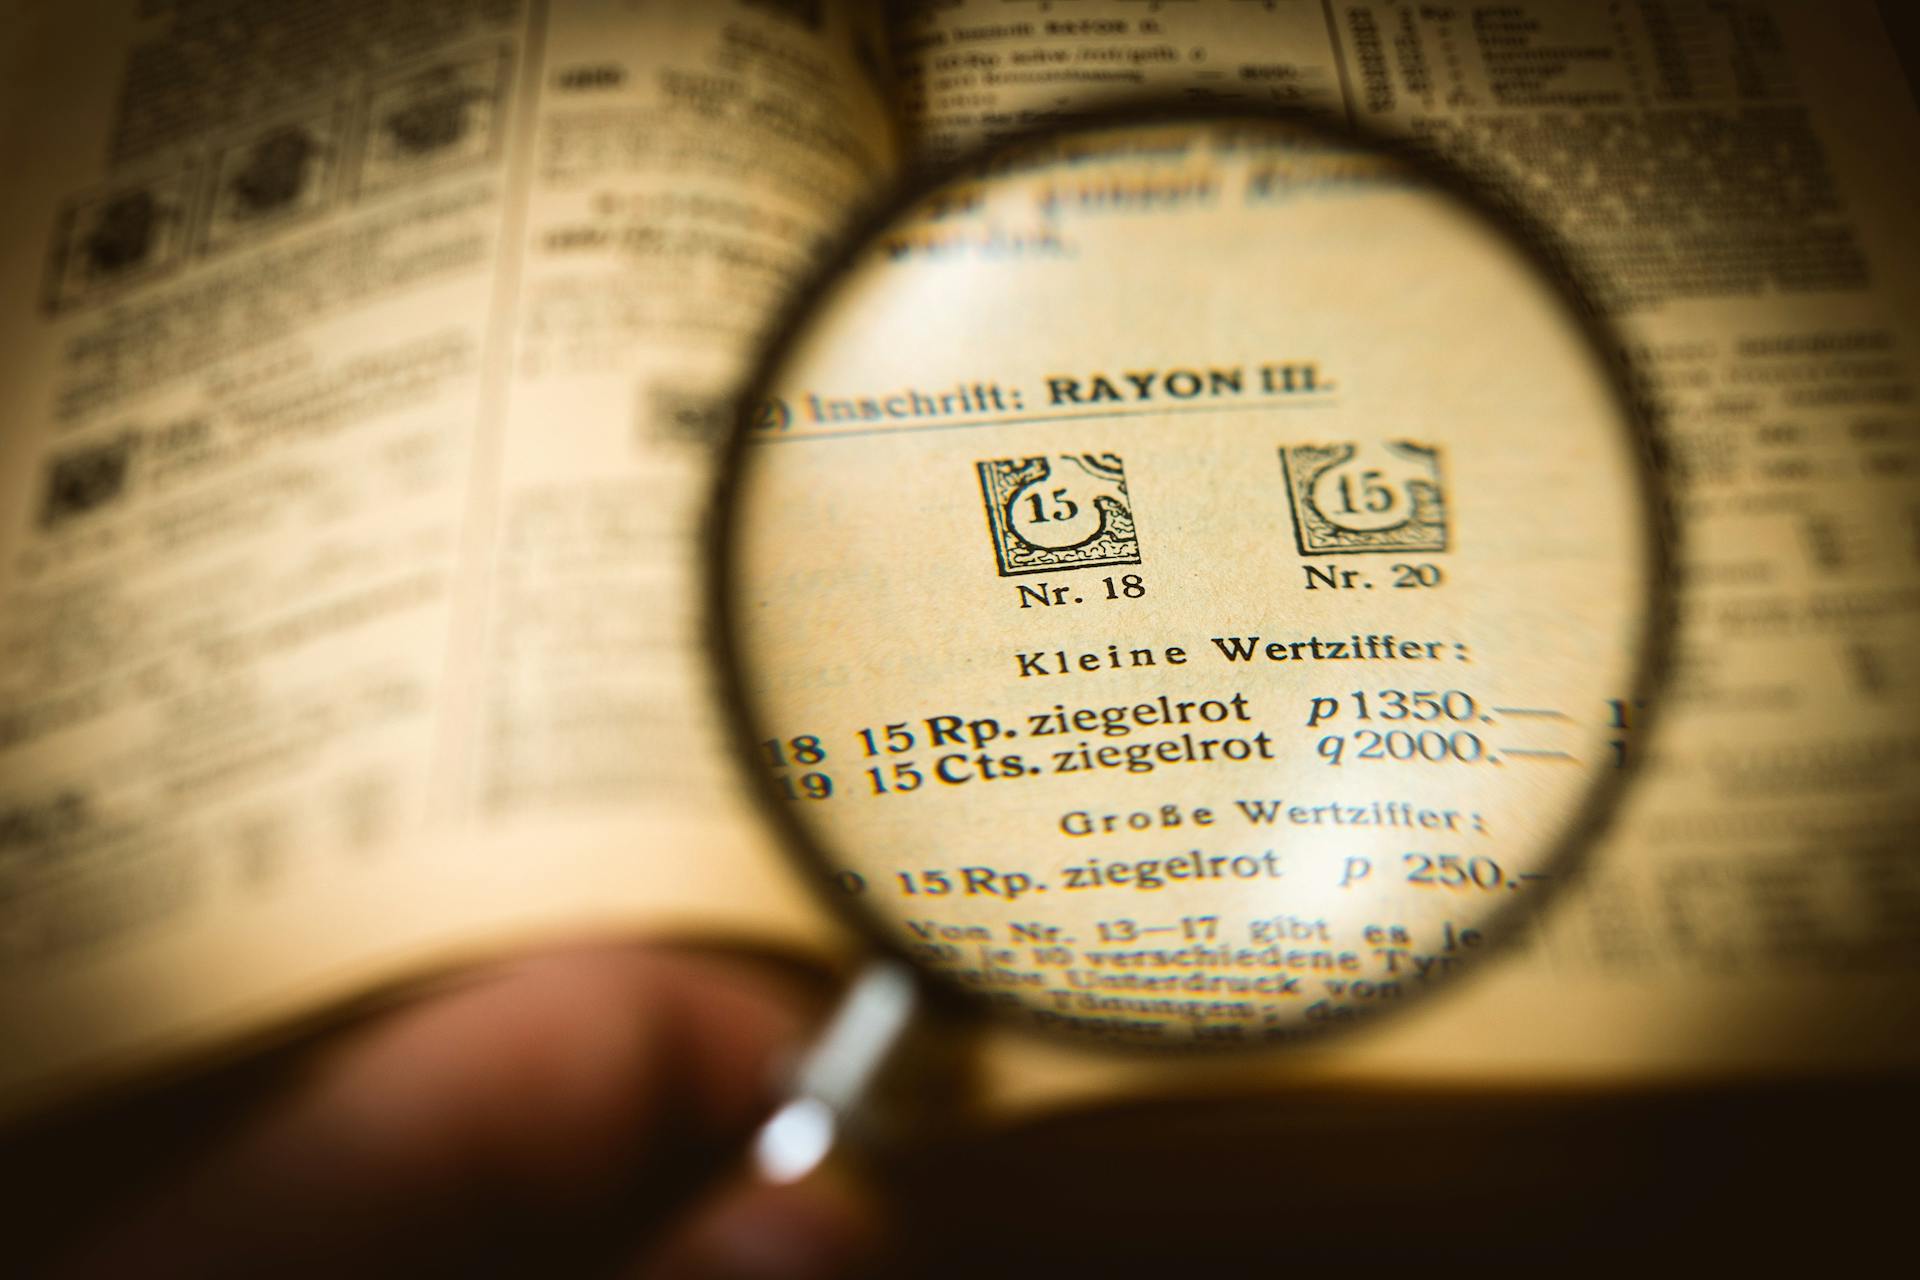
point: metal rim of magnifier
(1536, 244)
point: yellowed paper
(357, 403)
(1208, 625)
(1734, 180)
(359, 385)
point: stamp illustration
(278, 175)
(1066, 511)
(426, 122)
(82, 480)
(1353, 498)
(119, 237)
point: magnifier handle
(838, 1072)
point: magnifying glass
(1182, 580)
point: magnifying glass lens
(1183, 581)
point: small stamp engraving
(86, 479)
(1353, 498)
(277, 176)
(118, 238)
(1065, 511)
(433, 120)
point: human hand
(573, 1113)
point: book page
(1737, 181)
(361, 366)
(1217, 678)
(358, 393)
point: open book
(362, 367)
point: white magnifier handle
(837, 1073)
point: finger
(538, 1102)
(822, 1227)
